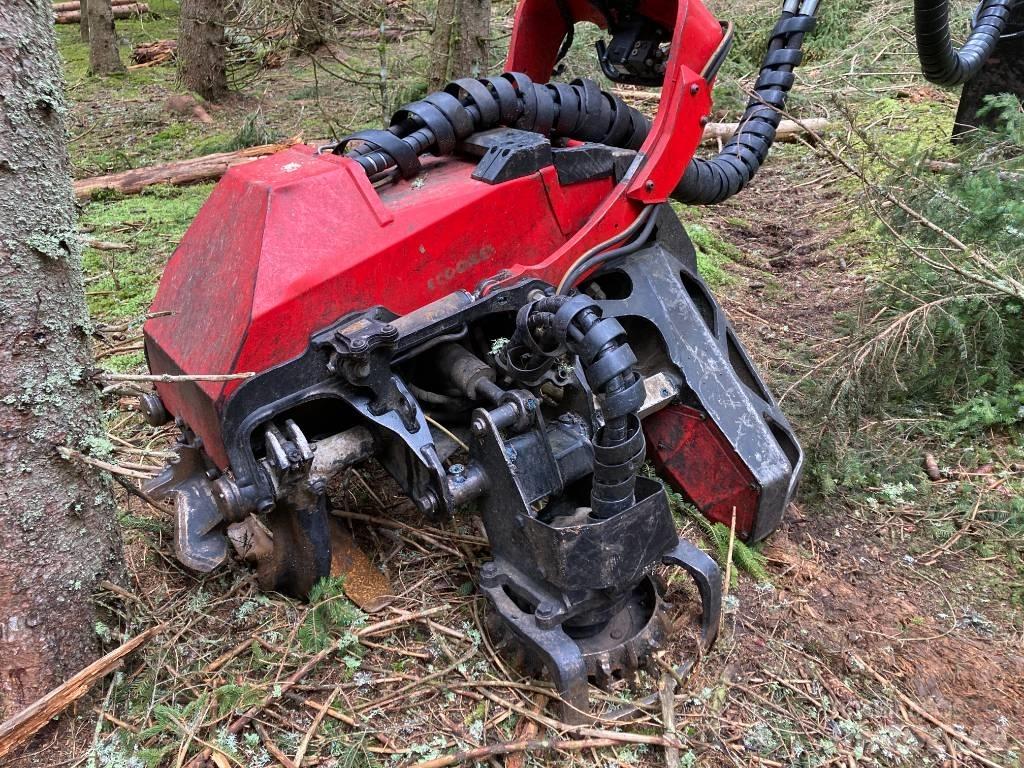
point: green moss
(122, 283)
(126, 363)
(713, 254)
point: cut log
(128, 11)
(178, 173)
(788, 130)
(23, 725)
(76, 5)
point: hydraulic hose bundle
(580, 110)
(940, 62)
(554, 324)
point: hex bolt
(479, 426)
(488, 572)
(458, 473)
(544, 611)
(358, 345)
(153, 410)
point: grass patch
(122, 284)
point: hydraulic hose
(581, 110)
(711, 181)
(436, 123)
(940, 62)
(550, 326)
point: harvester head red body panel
(287, 244)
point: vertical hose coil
(554, 324)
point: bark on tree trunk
(201, 42)
(459, 44)
(83, 24)
(104, 58)
(315, 18)
(58, 537)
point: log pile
(153, 54)
(76, 5)
(71, 12)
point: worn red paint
(691, 453)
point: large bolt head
(153, 411)
(488, 574)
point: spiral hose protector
(940, 62)
(436, 123)
(706, 182)
(554, 324)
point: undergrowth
(940, 348)
(745, 557)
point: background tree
(83, 24)
(98, 21)
(57, 532)
(458, 45)
(202, 66)
(315, 18)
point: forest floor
(889, 630)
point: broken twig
(23, 725)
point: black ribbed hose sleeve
(940, 62)
(554, 324)
(437, 122)
(706, 182)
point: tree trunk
(103, 56)
(458, 46)
(58, 537)
(83, 23)
(201, 43)
(315, 18)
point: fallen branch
(69, 454)
(787, 131)
(23, 725)
(171, 378)
(943, 166)
(104, 245)
(480, 754)
(177, 173)
(129, 11)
